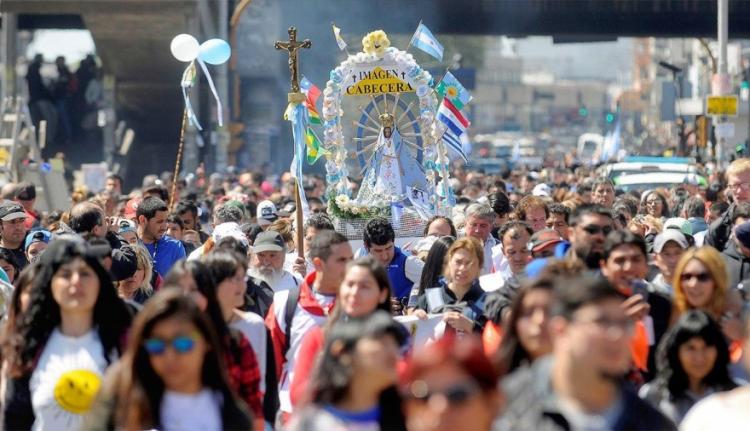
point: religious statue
(393, 169)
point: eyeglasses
(181, 344)
(607, 324)
(593, 229)
(701, 277)
(742, 186)
(455, 395)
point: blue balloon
(215, 51)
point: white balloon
(184, 47)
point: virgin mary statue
(393, 168)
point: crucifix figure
(292, 47)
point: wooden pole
(295, 97)
(179, 158)
(298, 213)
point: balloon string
(187, 83)
(219, 107)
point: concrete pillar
(9, 54)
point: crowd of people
(560, 302)
(69, 103)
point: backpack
(290, 308)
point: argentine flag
(424, 40)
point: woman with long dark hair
(432, 270)
(70, 333)
(365, 290)
(527, 337)
(196, 279)
(654, 204)
(692, 363)
(354, 383)
(172, 375)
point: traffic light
(583, 111)
(610, 117)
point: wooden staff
(292, 47)
(179, 158)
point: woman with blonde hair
(458, 296)
(701, 283)
(138, 287)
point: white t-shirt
(66, 380)
(253, 328)
(722, 411)
(201, 411)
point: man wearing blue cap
(35, 244)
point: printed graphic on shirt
(75, 390)
(67, 387)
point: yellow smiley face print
(75, 390)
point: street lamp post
(677, 77)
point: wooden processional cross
(292, 48)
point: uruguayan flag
(424, 40)
(454, 143)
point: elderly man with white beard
(267, 263)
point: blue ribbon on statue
(219, 107)
(397, 211)
(188, 79)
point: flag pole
(408, 47)
(346, 48)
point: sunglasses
(455, 395)
(702, 277)
(180, 344)
(593, 229)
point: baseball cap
(269, 241)
(11, 211)
(125, 225)
(229, 229)
(671, 235)
(542, 190)
(25, 192)
(679, 223)
(267, 213)
(37, 236)
(543, 239)
(742, 232)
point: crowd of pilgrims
(558, 303)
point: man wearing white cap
(12, 231)
(266, 213)
(668, 249)
(267, 264)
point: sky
(74, 45)
(610, 61)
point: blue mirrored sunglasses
(181, 344)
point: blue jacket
(165, 253)
(397, 275)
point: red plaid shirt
(243, 371)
